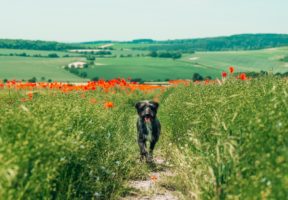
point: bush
(53, 55)
(32, 80)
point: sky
(91, 20)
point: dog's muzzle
(147, 118)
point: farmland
(224, 139)
(135, 64)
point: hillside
(223, 43)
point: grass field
(13, 67)
(266, 59)
(222, 141)
(147, 68)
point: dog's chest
(148, 136)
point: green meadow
(14, 67)
(247, 61)
(126, 62)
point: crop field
(245, 61)
(139, 66)
(205, 63)
(223, 139)
(14, 67)
(146, 68)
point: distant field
(267, 59)
(147, 68)
(205, 63)
(14, 67)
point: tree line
(165, 54)
(37, 45)
(234, 42)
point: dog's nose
(147, 111)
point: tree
(90, 59)
(153, 54)
(53, 55)
(83, 74)
(197, 77)
(32, 80)
(95, 78)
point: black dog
(148, 127)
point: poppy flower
(93, 101)
(23, 99)
(243, 76)
(224, 74)
(231, 69)
(109, 104)
(153, 178)
(30, 95)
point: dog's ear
(138, 105)
(156, 104)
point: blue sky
(86, 20)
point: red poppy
(30, 95)
(109, 104)
(224, 74)
(23, 99)
(93, 101)
(243, 76)
(231, 69)
(153, 178)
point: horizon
(125, 20)
(108, 40)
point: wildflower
(153, 178)
(30, 95)
(23, 99)
(242, 76)
(82, 96)
(224, 74)
(109, 104)
(231, 69)
(93, 101)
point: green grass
(47, 152)
(146, 68)
(267, 59)
(13, 67)
(207, 64)
(230, 140)
(225, 141)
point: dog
(148, 128)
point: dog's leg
(142, 146)
(155, 136)
(141, 129)
(151, 148)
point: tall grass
(62, 146)
(230, 141)
(225, 141)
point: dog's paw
(149, 158)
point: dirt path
(153, 188)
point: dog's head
(147, 110)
